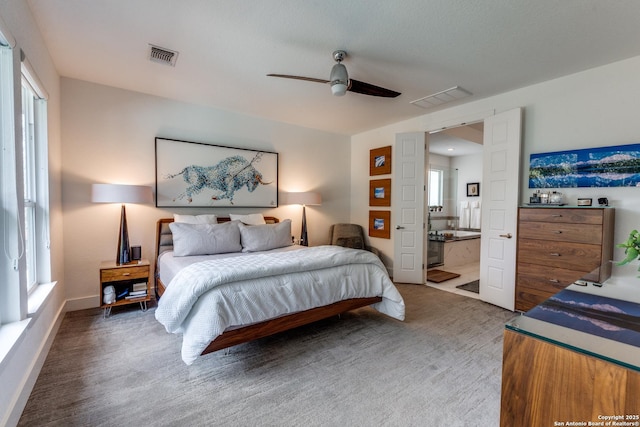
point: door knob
(508, 235)
(399, 227)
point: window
(29, 176)
(436, 186)
(35, 180)
(24, 185)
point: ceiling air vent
(442, 97)
(162, 55)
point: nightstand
(130, 284)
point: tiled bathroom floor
(467, 272)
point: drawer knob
(554, 280)
(557, 231)
(554, 254)
(126, 274)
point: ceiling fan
(341, 83)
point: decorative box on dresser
(559, 245)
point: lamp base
(124, 251)
(303, 232)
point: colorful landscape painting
(606, 317)
(615, 166)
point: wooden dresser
(559, 245)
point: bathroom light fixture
(304, 198)
(116, 193)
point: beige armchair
(349, 236)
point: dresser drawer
(569, 215)
(571, 256)
(550, 279)
(119, 274)
(562, 232)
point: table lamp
(304, 198)
(117, 193)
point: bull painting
(223, 179)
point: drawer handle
(554, 254)
(556, 216)
(126, 274)
(557, 232)
(554, 280)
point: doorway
(454, 199)
(499, 188)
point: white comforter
(208, 297)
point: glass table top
(601, 321)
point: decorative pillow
(250, 219)
(195, 219)
(350, 242)
(264, 237)
(205, 239)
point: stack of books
(138, 290)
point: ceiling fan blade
(369, 89)
(309, 79)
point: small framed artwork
(473, 189)
(380, 224)
(380, 192)
(380, 161)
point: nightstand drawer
(119, 274)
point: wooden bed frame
(164, 242)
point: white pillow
(195, 219)
(250, 219)
(205, 239)
(264, 237)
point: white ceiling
(458, 141)
(417, 47)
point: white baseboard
(82, 303)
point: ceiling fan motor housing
(339, 79)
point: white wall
(594, 108)
(108, 136)
(19, 371)
(469, 170)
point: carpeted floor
(441, 367)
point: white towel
(463, 221)
(475, 215)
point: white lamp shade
(304, 198)
(117, 193)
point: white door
(499, 211)
(407, 193)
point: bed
(254, 290)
